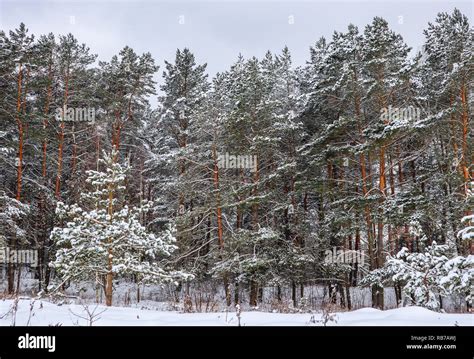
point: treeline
(262, 169)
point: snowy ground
(45, 313)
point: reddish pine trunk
(74, 152)
(45, 121)
(363, 172)
(20, 135)
(11, 266)
(60, 160)
(219, 222)
(465, 129)
(21, 130)
(61, 139)
(109, 276)
(392, 192)
(380, 226)
(466, 160)
(379, 295)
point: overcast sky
(217, 31)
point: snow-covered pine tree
(103, 238)
(460, 276)
(13, 233)
(316, 131)
(444, 80)
(15, 58)
(449, 59)
(73, 73)
(175, 166)
(467, 233)
(334, 155)
(417, 273)
(185, 87)
(386, 71)
(285, 202)
(16, 54)
(126, 82)
(428, 276)
(458, 279)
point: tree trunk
(348, 295)
(380, 228)
(109, 281)
(293, 293)
(220, 238)
(61, 138)
(279, 293)
(46, 113)
(253, 293)
(465, 161)
(12, 266)
(363, 173)
(342, 299)
(57, 191)
(20, 135)
(109, 276)
(236, 293)
(398, 294)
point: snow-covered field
(43, 313)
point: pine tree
(105, 239)
(16, 51)
(363, 148)
(386, 70)
(174, 166)
(73, 80)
